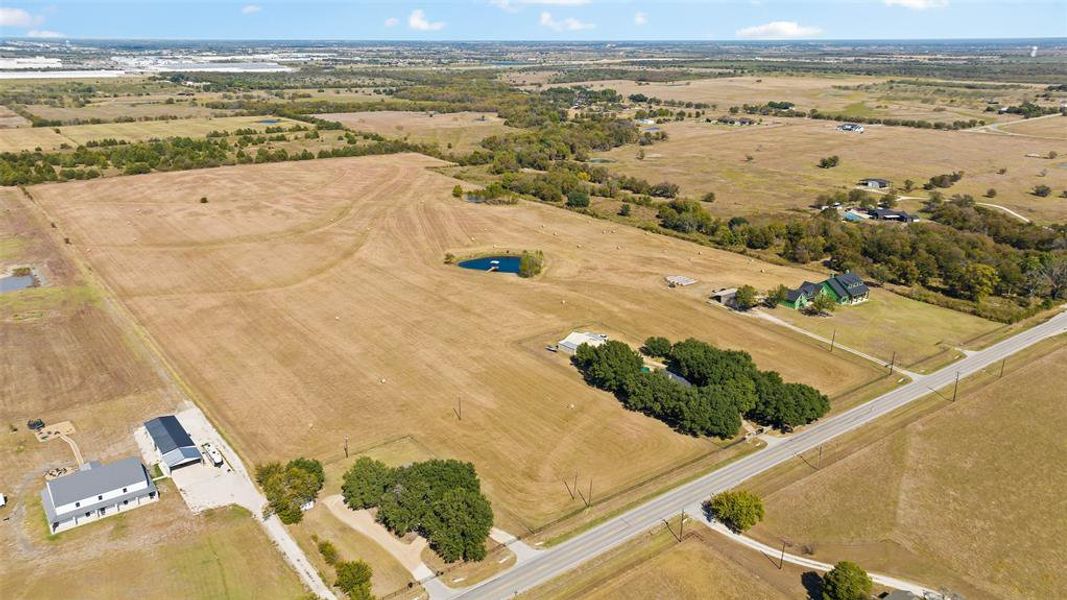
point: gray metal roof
(50, 511)
(168, 434)
(96, 480)
(182, 456)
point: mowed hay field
(463, 130)
(783, 174)
(920, 331)
(137, 107)
(309, 301)
(656, 565)
(969, 496)
(805, 92)
(1054, 127)
(47, 138)
(67, 358)
(158, 551)
(830, 94)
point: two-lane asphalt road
(553, 562)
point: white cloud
(778, 30)
(513, 5)
(43, 33)
(392, 22)
(568, 24)
(640, 18)
(250, 9)
(418, 21)
(917, 4)
(16, 17)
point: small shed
(878, 184)
(725, 296)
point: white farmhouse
(96, 491)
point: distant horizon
(588, 41)
(534, 20)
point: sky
(535, 19)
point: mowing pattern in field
(463, 130)
(47, 138)
(974, 491)
(782, 173)
(833, 94)
(656, 565)
(309, 302)
(159, 551)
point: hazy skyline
(538, 19)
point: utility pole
(590, 490)
(781, 561)
(956, 387)
(461, 408)
(681, 526)
(346, 446)
(1002, 368)
(893, 362)
(832, 341)
(820, 456)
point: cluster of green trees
(290, 486)
(961, 212)
(173, 154)
(1029, 110)
(829, 162)
(353, 577)
(440, 499)
(722, 385)
(531, 263)
(973, 255)
(571, 140)
(740, 510)
(847, 581)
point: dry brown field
(309, 301)
(47, 138)
(1051, 127)
(137, 107)
(463, 130)
(67, 358)
(967, 495)
(783, 175)
(10, 119)
(851, 95)
(656, 565)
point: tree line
(719, 387)
(965, 252)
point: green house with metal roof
(846, 288)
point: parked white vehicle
(213, 454)
(3, 500)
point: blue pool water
(503, 264)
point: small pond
(269, 121)
(13, 283)
(502, 264)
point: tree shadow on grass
(812, 583)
